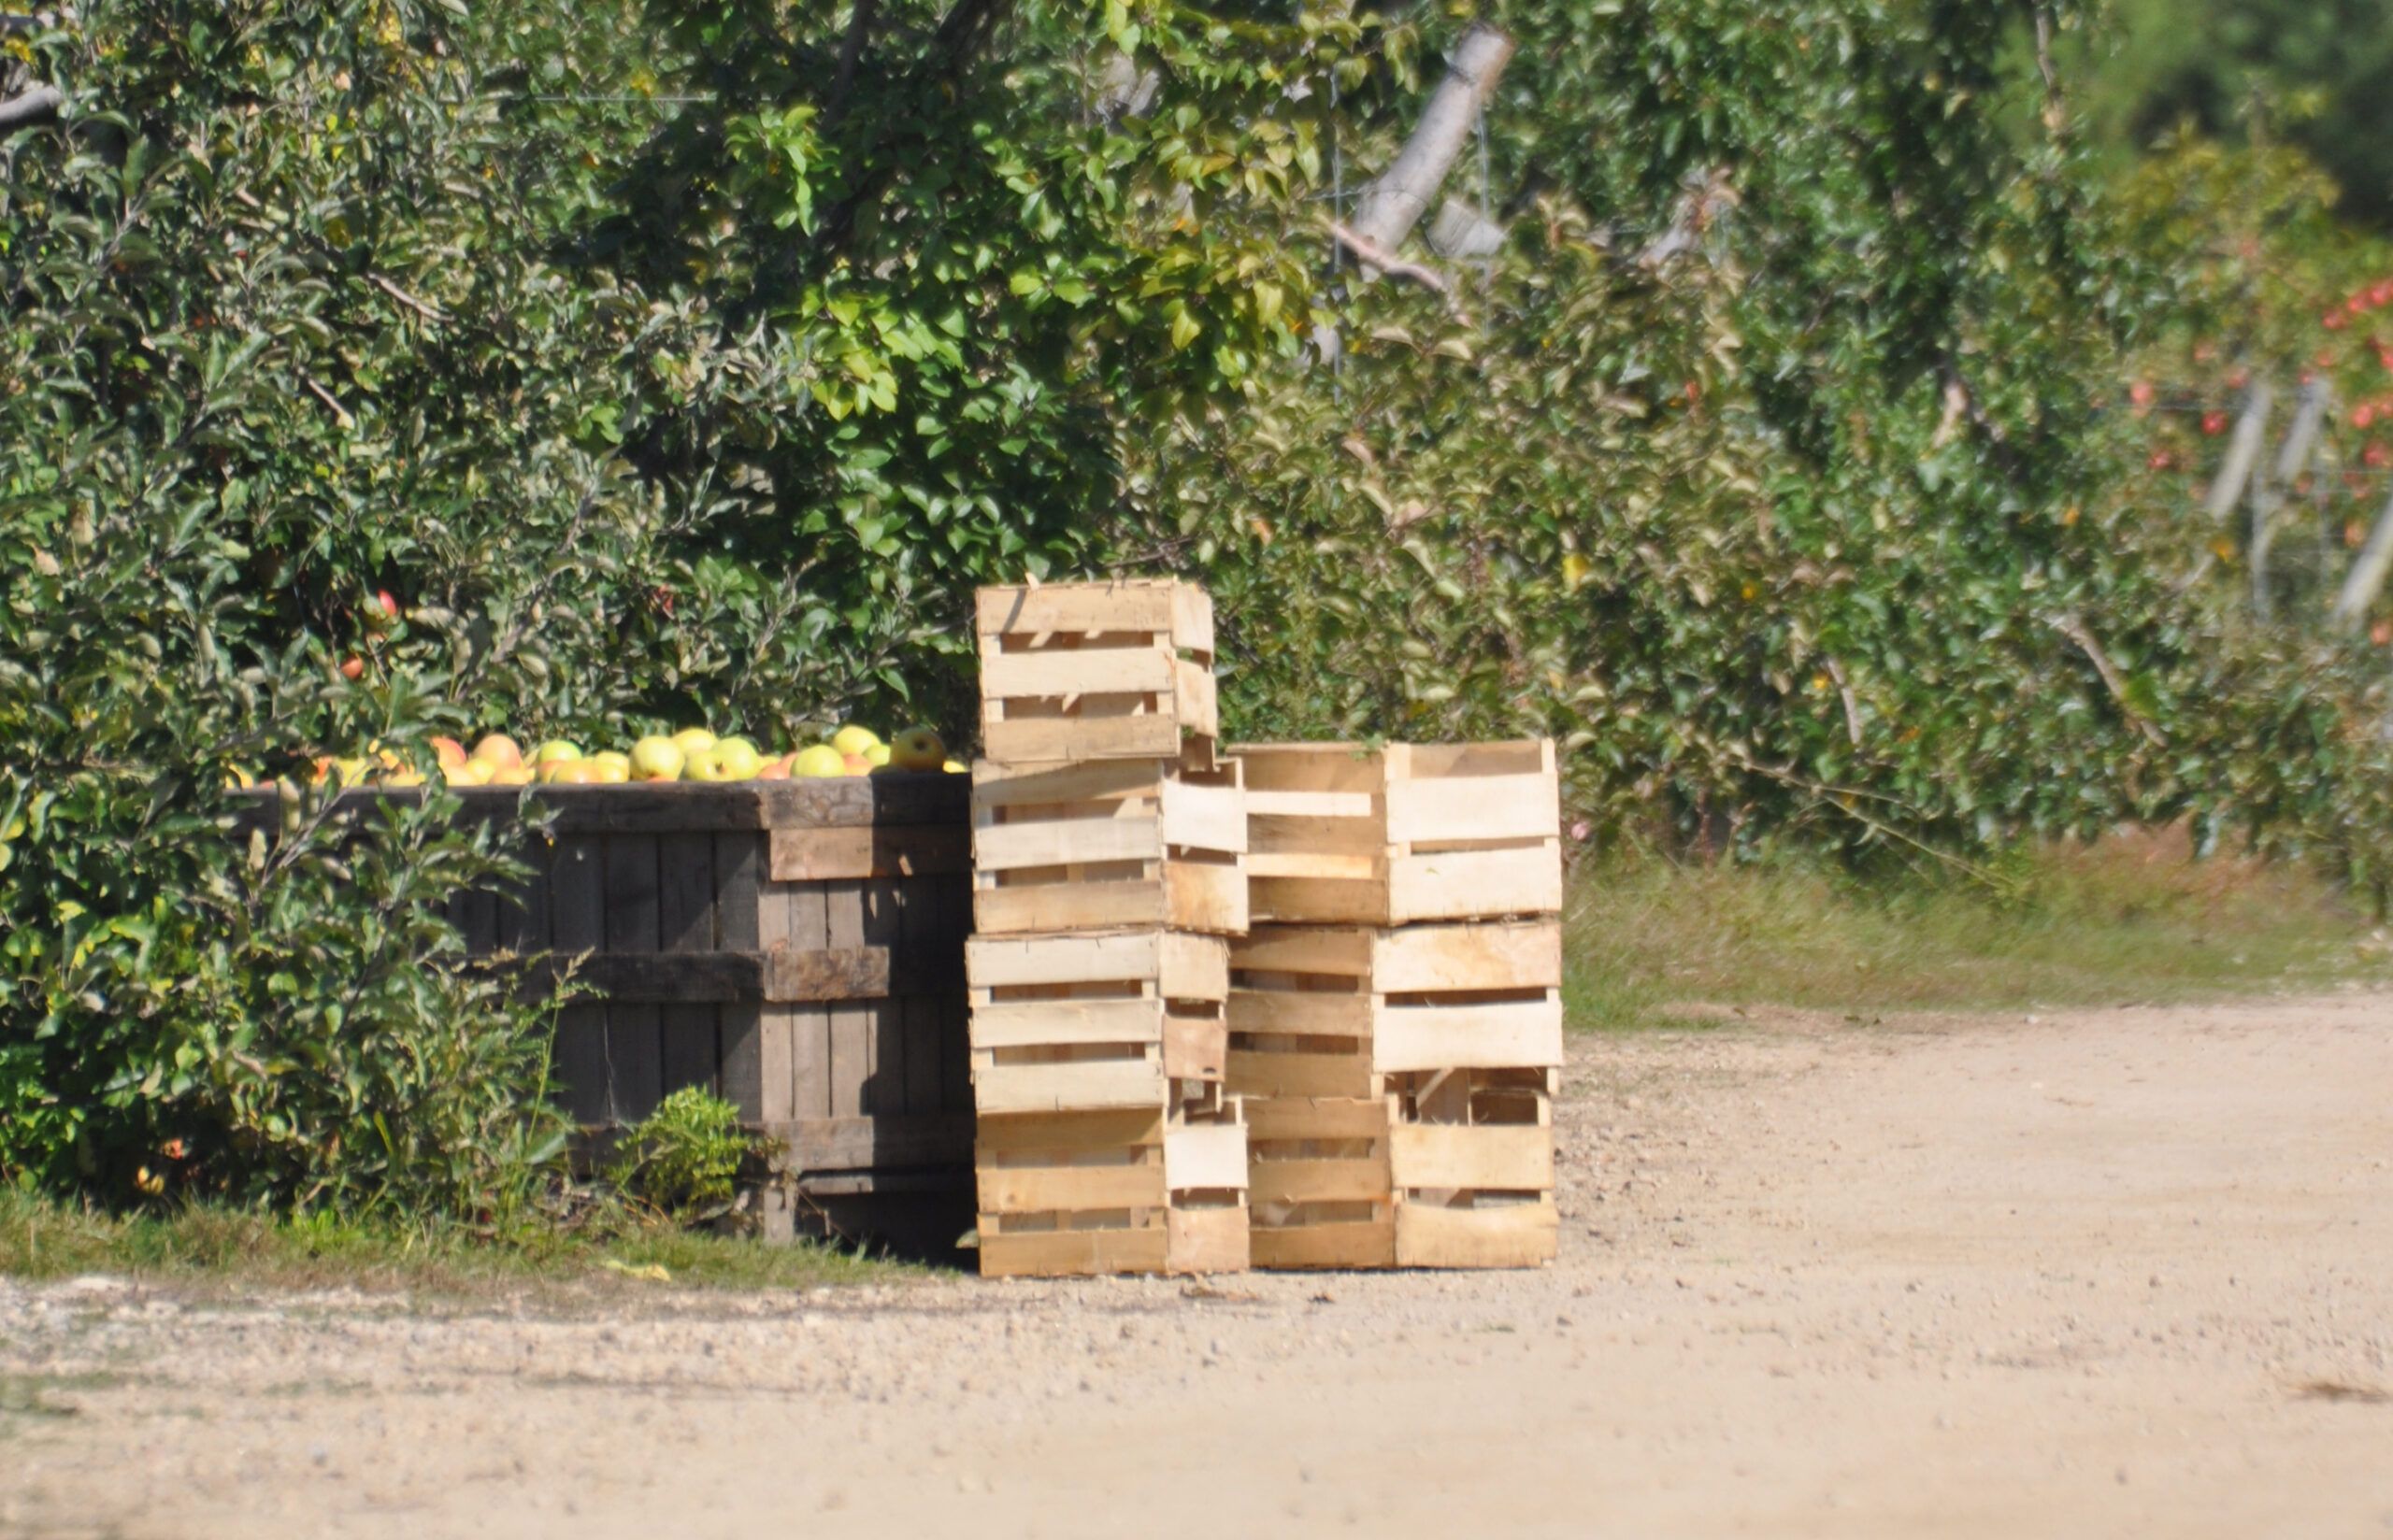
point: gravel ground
(2117, 1272)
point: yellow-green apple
(917, 748)
(692, 739)
(612, 768)
(657, 758)
(853, 740)
(816, 761)
(738, 758)
(554, 749)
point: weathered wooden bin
(795, 946)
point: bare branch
(38, 105)
(429, 312)
(1387, 262)
(2075, 629)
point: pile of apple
(692, 754)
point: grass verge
(204, 1247)
(2133, 919)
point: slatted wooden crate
(1471, 1158)
(1129, 1191)
(1318, 1191)
(1084, 1022)
(795, 946)
(1343, 834)
(1331, 1011)
(1108, 845)
(1090, 671)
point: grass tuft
(2132, 918)
(204, 1246)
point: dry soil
(2116, 1273)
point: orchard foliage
(692, 359)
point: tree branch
(2075, 629)
(1394, 202)
(1372, 254)
(38, 105)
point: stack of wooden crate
(1396, 1014)
(1109, 844)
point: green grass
(2131, 920)
(203, 1247)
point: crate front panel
(1342, 834)
(1106, 1192)
(1318, 1186)
(1116, 845)
(832, 1013)
(1095, 671)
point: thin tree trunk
(1393, 204)
(2366, 579)
(2292, 459)
(2242, 452)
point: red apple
(352, 667)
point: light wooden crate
(1319, 1190)
(1082, 1022)
(1331, 1011)
(1095, 671)
(1131, 1191)
(1343, 834)
(1471, 1158)
(1108, 845)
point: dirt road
(2122, 1273)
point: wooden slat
(686, 924)
(1204, 818)
(1421, 957)
(1476, 1157)
(742, 1026)
(1206, 1240)
(576, 888)
(1205, 1156)
(1040, 1023)
(863, 1144)
(1314, 1179)
(852, 1045)
(816, 855)
(1093, 1085)
(996, 784)
(895, 799)
(1474, 807)
(1074, 1253)
(1468, 884)
(1518, 1235)
(1062, 842)
(884, 1020)
(807, 908)
(1303, 948)
(1034, 738)
(1300, 1074)
(1133, 670)
(1002, 962)
(1304, 1013)
(1338, 1118)
(635, 1051)
(920, 1017)
(1503, 1035)
(1086, 607)
(1042, 1133)
(1341, 1243)
(1038, 1190)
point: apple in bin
(817, 762)
(917, 748)
(657, 758)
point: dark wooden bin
(795, 946)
